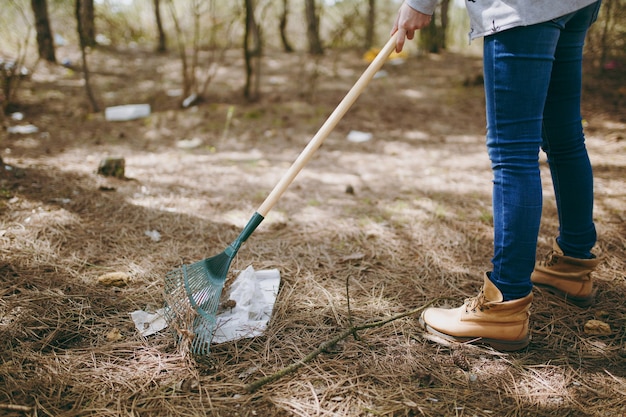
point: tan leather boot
(484, 319)
(567, 277)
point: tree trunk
(162, 45)
(283, 27)
(252, 53)
(44, 33)
(83, 47)
(371, 25)
(313, 31)
(433, 37)
(445, 6)
(88, 22)
(604, 44)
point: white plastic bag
(126, 112)
(254, 294)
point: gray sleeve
(423, 6)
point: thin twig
(328, 344)
(16, 407)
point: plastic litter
(23, 129)
(254, 294)
(190, 100)
(153, 234)
(59, 40)
(358, 137)
(381, 74)
(189, 143)
(126, 112)
(149, 323)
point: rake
(192, 292)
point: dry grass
(417, 227)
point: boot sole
(497, 344)
(577, 301)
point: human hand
(407, 22)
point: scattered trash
(254, 294)
(102, 40)
(249, 308)
(17, 116)
(59, 40)
(114, 279)
(149, 323)
(153, 234)
(193, 98)
(397, 61)
(358, 137)
(371, 54)
(189, 143)
(597, 328)
(62, 200)
(126, 112)
(112, 167)
(381, 74)
(10, 69)
(23, 129)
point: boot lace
(551, 259)
(476, 303)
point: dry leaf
(114, 335)
(114, 279)
(597, 328)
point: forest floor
(368, 230)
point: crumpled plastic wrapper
(254, 294)
(149, 323)
(251, 300)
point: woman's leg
(518, 66)
(564, 141)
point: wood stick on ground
(16, 407)
(327, 345)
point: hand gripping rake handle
(316, 142)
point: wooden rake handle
(327, 127)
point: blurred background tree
(203, 30)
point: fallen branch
(327, 345)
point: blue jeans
(533, 88)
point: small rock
(112, 167)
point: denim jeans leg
(564, 141)
(517, 77)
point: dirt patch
(388, 225)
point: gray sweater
(491, 16)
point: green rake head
(192, 294)
(193, 297)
